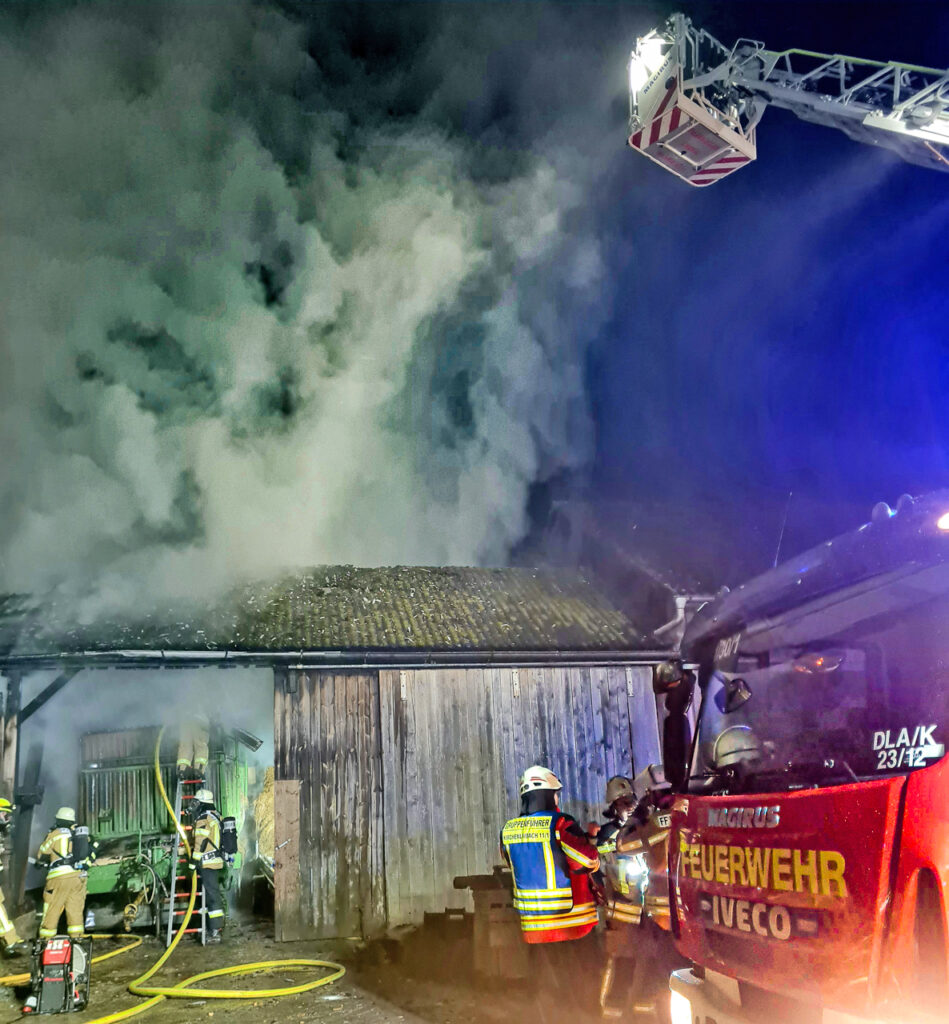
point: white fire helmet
(539, 777)
(204, 796)
(736, 744)
(66, 814)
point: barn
(406, 701)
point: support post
(8, 766)
(29, 794)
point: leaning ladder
(177, 902)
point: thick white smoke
(243, 332)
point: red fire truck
(809, 855)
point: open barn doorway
(91, 747)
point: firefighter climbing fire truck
(695, 104)
(809, 855)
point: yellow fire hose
(183, 989)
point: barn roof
(343, 608)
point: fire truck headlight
(942, 523)
(680, 1009)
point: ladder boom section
(902, 107)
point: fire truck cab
(809, 855)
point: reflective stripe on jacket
(57, 849)
(550, 861)
(207, 840)
(622, 880)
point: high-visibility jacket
(622, 880)
(551, 860)
(651, 841)
(206, 841)
(57, 849)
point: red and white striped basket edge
(668, 119)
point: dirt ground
(424, 979)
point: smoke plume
(258, 315)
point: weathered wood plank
(643, 720)
(375, 918)
(492, 799)
(479, 780)
(599, 728)
(325, 772)
(507, 710)
(467, 787)
(562, 760)
(288, 918)
(622, 741)
(395, 755)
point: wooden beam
(41, 698)
(28, 795)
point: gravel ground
(424, 980)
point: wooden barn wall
(326, 735)
(406, 778)
(455, 744)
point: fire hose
(155, 994)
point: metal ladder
(177, 902)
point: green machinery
(120, 802)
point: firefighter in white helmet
(207, 859)
(13, 945)
(551, 860)
(68, 851)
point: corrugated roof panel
(348, 608)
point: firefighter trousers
(193, 745)
(7, 929)
(213, 904)
(65, 892)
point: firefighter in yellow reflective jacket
(68, 851)
(13, 945)
(207, 859)
(192, 759)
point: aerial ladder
(695, 104)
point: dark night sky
(796, 317)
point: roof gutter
(378, 658)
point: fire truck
(695, 104)
(809, 851)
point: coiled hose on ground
(184, 989)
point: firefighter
(643, 840)
(620, 881)
(207, 859)
(551, 861)
(13, 945)
(193, 745)
(69, 852)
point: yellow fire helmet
(617, 787)
(66, 813)
(5, 804)
(539, 777)
(204, 796)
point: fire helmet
(204, 796)
(66, 814)
(735, 744)
(617, 788)
(539, 777)
(5, 804)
